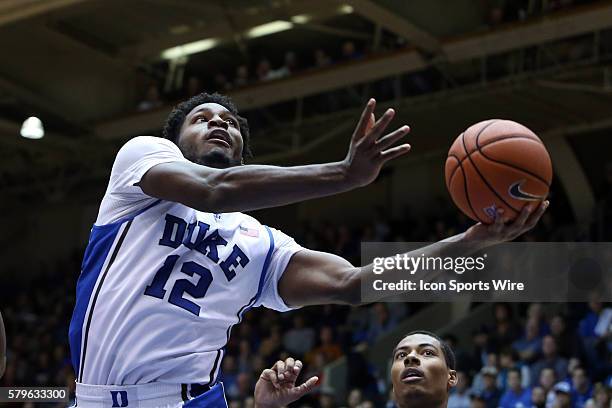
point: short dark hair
(449, 355)
(175, 119)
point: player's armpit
(316, 278)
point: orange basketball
(497, 164)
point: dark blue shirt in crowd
(491, 397)
(510, 399)
(578, 399)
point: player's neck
(412, 404)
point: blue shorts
(213, 398)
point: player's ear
(452, 378)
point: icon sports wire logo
(412, 264)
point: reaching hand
(501, 232)
(276, 386)
(368, 151)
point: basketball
(497, 164)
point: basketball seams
(449, 180)
(534, 175)
(505, 137)
(508, 136)
(478, 171)
(467, 196)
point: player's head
(209, 131)
(423, 371)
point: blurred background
(97, 73)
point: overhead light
(301, 18)
(269, 28)
(345, 9)
(189, 48)
(32, 128)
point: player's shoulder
(246, 220)
(147, 143)
(146, 147)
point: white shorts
(152, 395)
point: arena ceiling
(77, 63)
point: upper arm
(314, 278)
(182, 182)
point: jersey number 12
(181, 286)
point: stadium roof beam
(477, 46)
(15, 10)
(38, 102)
(318, 9)
(398, 25)
(341, 32)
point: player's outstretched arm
(251, 187)
(2, 347)
(315, 278)
(276, 386)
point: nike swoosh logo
(516, 192)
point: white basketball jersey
(162, 284)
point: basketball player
(422, 374)
(173, 263)
(423, 371)
(2, 347)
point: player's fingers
(537, 214)
(289, 364)
(306, 387)
(371, 123)
(365, 118)
(498, 223)
(391, 138)
(280, 369)
(298, 367)
(270, 376)
(519, 223)
(394, 152)
(289, 374)
(380, 125)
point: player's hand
(369, 149)
(276, 386)
(500, 231)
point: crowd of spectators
(505, 11)
(245, 75)
(555, 359)
(497, 12)
(512, 360)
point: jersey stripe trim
(95, 298)
(264, 272)
(101, 242)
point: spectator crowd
(558, 356)
(523, 358)
(496, 13)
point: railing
(528, 44)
